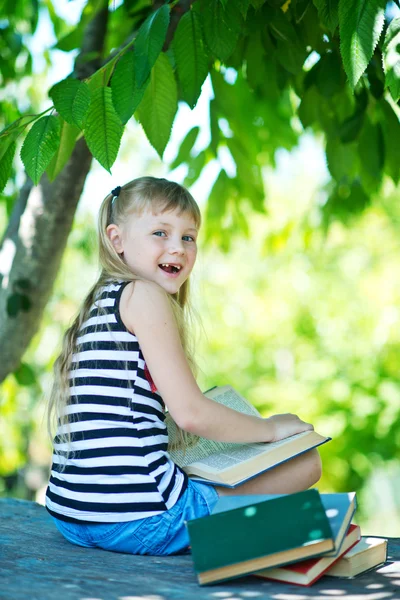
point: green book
(260, 535)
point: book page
(194, 452)
(234, 454)
(230, 458)
(203, 448)
(229, 397)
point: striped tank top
(117, 467)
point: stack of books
(295, 538)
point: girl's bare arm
(147, 313)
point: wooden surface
(37, 563)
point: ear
(114, 234)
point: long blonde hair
(134, 197)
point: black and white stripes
(116, 467)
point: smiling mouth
(170, 268)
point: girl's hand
(283, 426)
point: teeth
(167, 265)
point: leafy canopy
(277, 67)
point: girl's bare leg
(295, 475)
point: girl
(126, 357)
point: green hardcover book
(247, 539)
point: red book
(306, 572)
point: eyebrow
(169, 225)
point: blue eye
(160, 233)
(188, 238)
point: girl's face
(157, 246)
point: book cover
(339, 508)
(367, 554)
(307, 572)
(250, 538)
(229, 464)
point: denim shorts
(162, 534)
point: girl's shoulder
(143, 300)
(141, 290)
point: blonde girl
(125, 359)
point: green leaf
(149, 42)
(185, 148)
(328, 13)
(222, 192)
(391, 132)
(342, 159)
(376, 78)
(351, 127)
(18, 302)
(300, 10)
(71, 99)
(391, 58)
(68, 136)
(217, 198)
(291, 52)
(25, 375)
(40, 145)
(345, 202)
(255, 61)
(280, 26)
(71, 40)
(291, 56)
(195, 167)
(221, 27)
(126, 95)
(371, 151)
(257, 3)
(308, 110)
(361, 23)
(13, 305)
(122, 21)
(59, 24)
(102, 77)
(249, 177)
(329, 75)
(80, 105)
(244, 7)
(11, 133)
(190, 55)
(103, 129)
(157, 110)
(6, 166)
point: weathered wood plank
(37, 563)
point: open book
(229, 465)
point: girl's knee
(314, 465)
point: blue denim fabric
(162, 534)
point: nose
(177, 247)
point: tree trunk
(37, 233)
